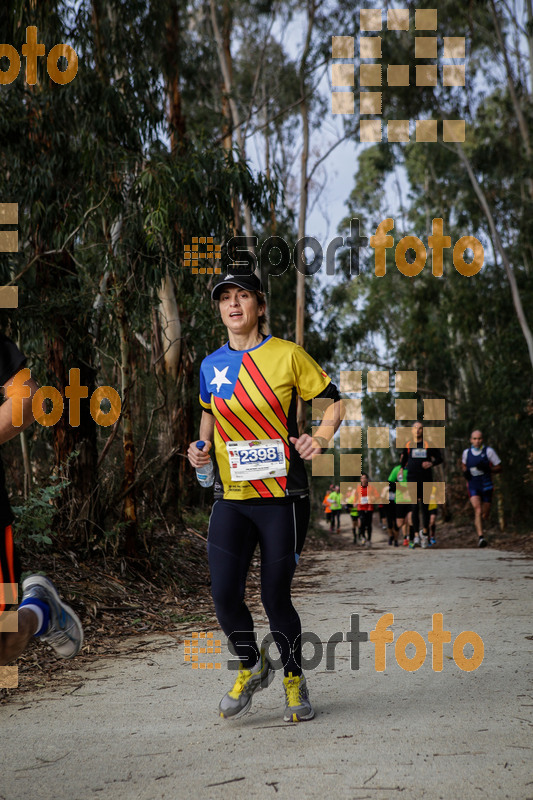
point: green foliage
(35, 516)
(196, 519)
(108, 541)
(460, 334)
(110, 189)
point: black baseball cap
(250, 282)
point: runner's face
(239, 310)
(476, 440)
(417, 430)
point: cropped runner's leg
(12, 643)
(9, 566)
(425, 517)
(486, 499)
(415, 518)
(369, 525)
(231, 543)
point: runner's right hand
(198, 458)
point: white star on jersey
(220, 378)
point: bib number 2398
(256, 459)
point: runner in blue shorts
(478, 463)
(248, 393)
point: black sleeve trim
(330, 392)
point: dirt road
(145, 726)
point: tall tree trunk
(171, 362)
(130, 510)
(529, 28)
(497, 242)
(520, 117)
(28, 477)
(26, 463)
(180, 473)
(522, 124)
(67, 346)
(170, 323)
(227, 141)
(176, 120)
(227, 24)
(273, 220)
(302, 217)
(224, 57)
(178, 415)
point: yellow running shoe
(298, 707)
(238, 701)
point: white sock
(38, 613)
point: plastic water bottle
(205, 474)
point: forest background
(193, 119)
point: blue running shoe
(64, 632)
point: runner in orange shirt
(366, 498)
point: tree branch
(517, 302)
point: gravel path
(144, 726)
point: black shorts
(402, 510)
(391, 515)
(9, 568)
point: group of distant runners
(248, 393)
(393, 505)
(399, 512)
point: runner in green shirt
(401, 509)
(351, 507)
(334, 500)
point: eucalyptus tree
(468, 338)
(110, 185)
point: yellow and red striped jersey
(252, 394)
